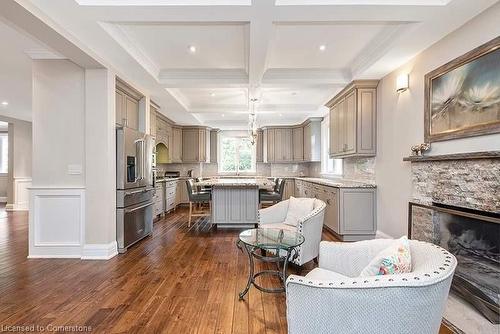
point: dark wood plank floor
(181, 280)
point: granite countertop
(237, 182)
(267, 181)
(338, 183)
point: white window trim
(241, 135)
(325, 157)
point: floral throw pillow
(395, 259)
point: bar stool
(274, 196)
(197, 197)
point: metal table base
(280, 272)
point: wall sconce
(402, 83)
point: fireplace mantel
(455, 156)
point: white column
(100, 165)
(57, 196)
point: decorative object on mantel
(462, 97)
(418, 150)
(455, 156)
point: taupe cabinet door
(176, 149)
(194, 145)
(298, 144)
(127, 110)
(353, 121)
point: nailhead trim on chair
(390, 278)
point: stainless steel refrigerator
(134, 186)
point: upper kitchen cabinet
(353, 120)
(152, 120)
(176, 145)
(214, 139)
(298, 143)
(259, 146)
(312, 139)
(278, 145)
(127, 105)
(195, 144)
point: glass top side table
(283, 246)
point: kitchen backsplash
(360, 169)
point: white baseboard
(99, 251)
(382, 235)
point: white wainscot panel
(21, 194)
(56, 222)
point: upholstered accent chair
(311, 227)
(333, 299)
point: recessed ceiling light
(212, 94)
(5, 103)
(192, 48)
(222, 115)
(322, 47)
(281, 115)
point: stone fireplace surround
(469, 180)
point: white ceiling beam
(305, 76)
(194, 78)
(261, 34)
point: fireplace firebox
(473, 236)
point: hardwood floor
(180, 280)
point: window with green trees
(237, 155)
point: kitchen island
(235, 201)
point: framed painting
(462, 97)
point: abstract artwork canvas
(462, 97)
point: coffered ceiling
(203, 60)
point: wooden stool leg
(190, 212)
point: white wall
(58, 123)
(401, 120)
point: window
(237, 154)
(328, 165)
(4, 153)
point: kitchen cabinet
(127, 105)
(278, 145)
(298, 143)
(259, 146)
(170, 195)
(152, 121)
(350, 212)
(159, 200)
(291, 144)
(289, 189)
(214, 140)
(312, 140)
(176, 145)
(353, 120)
(194, 145)
(182, 195)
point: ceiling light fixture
(192, 48)
(5, 103)
(222, 115)
(212, 94)
(322, 47)
(281, 115)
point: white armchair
(310, 227)
(333, 299)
